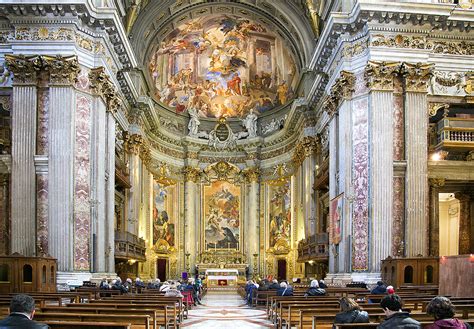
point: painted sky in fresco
(223, 66)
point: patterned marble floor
(222, 310)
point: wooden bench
(86, 325)
(137, 321)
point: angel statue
(194, 122)
(250, 123)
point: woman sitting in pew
(315, 290)
(443, 311)
(351, 312)
(285, 289)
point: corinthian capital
(191, 174)
(252, 174)
(62, 70)
(145, 154)
(437, 182)
(24, 68)
(417, 76)
(342, 89)
(132, 143)
(380, 75)
(103, 87)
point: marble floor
(225, 310)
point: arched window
(408, 275)
(4, 269)
(27, 273)
(53, 275)
(429, 274)
(43, 274)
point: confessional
(414, 271)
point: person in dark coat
(315, 290)
(380, 289)
(322, 284)
(264, 285)
(443, 312)
(395, 317)
(274, 285)
(104, 284)
(285, 289)
(350, 312)
(22, 310)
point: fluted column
(191, 177)
(435, 184)
(23, 187)
(61, 160)
(252, 233)
(464, 223)
(416, 123)
(110, 193)
(380, 78)
(132, 147)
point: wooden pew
(87, 325)
(137, 321)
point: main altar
(223, 267)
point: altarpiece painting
(163, 221)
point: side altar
(222, 267)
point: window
(53, 275)
(429, 274)
(27, 273)
(408, 275)
(4, 269)
(43, 275)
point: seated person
(322, 284)
(117, 285)
(128, 284)
(104, 284)
(139, 283)
(381, 289)
(395, 317)
(22, 310)
(285, 289)
(314, 289)
(251, 287)
(274, 285)
(154, 284)
(264, 285)
(443, 312)
(350, 312)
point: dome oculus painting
(223, 66)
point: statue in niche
(250, 123)
(194, 122)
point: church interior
(231, 143)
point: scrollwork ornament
(435, 107)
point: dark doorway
(161, 268)
(281, 269)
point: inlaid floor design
(226, 310)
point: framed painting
(336, 211)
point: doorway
(449, 212)
(161, 264)
(281, 269)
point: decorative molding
(305, 148)
(436, 182)
(416, 76)
(191, 174)
(380, 75)
(133, 143)
(343, 88)
(62, 70)
(24, 68)
(433, 108)
(223, 171)
(103, 87)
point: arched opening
(27, 274)
(408, 275)
(281, 269)
(429, 274)
(51, 279)
(4, 272)
(43, 274)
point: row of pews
(319, 311)
(83, 309)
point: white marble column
(110, 195)
(23, 189)
(61, 172)
(133, 144)
(190, 213)
(252, 234)
(416, 124)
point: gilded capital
(191, 174)
(417, 76)
(437, 182)
(62, 70)
(24, 68)
(342, 89)
(305, 148)
(252, 174)
(145, 154)
(380, 75)
(133, 143)
(103, 87)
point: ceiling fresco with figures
(223, 66)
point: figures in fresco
(250, 123)
(280, 214)
(193, 125)
(207, 61)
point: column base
(98, 276)
(71, 279)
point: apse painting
(223, 66)
(222, 215)
(163, 224)
(280, 213)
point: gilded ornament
(416, 76)
(435, 107)
(306, 147)
(437, 182)
(103, 86)
(342, 89)
(252, 174)
(380, 75)
(469, 85)
(133, 143)
(62, 70)
(191, 174)
(24, 68)
(223, 171)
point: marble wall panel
(398, 128)
(360, 172)
(42, 141)
(42, 214)
(398, 216)
(4, 215)
(82, 188)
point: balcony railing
(129, 246)
(455, 133)
(316, 247)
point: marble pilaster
(191, 176)
(416, 130)
(61, 149)
(23, 131)
(133, 144)
(253, 228)
(110, 195)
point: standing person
(314, 289)
(350, 312)
(395, 317)
(22, 310)
(443, 312)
